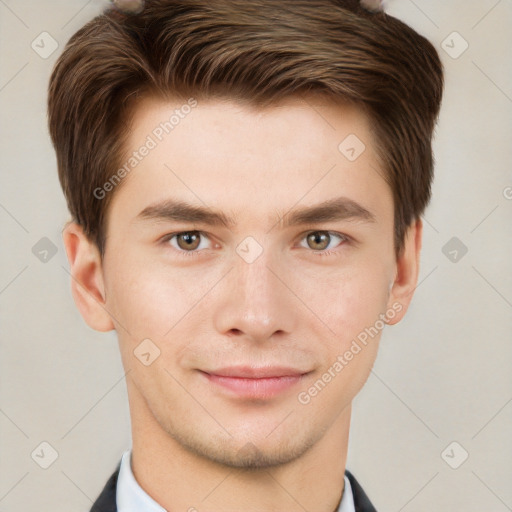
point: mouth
(254, 383)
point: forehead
(294, 126)
(230, 155)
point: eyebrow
(337, 209)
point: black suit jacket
(106, 501)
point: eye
(190, 243)
(319, 241)
(186, 242)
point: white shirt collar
(131, 497)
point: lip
(255, 383)
(253, 372)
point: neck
(178, 479)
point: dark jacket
(106, 501)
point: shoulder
(361, 501)
(106, 501)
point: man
(246, 181)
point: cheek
(348, 300)
(137, 299)
(350, 307)
(156, 301)
(150, 304)
(140, 299)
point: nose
(255, 302)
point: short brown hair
(257, 51)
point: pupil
(317, 238)
(189, 238)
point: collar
(130, 496)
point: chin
(256, 451)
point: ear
(407, 271)
(87, 283)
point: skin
(194, 444)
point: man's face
(261, 292)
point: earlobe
(87, 283)
(407, 271)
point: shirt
(131, 497)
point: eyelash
(194, 253)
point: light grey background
(442, 376)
